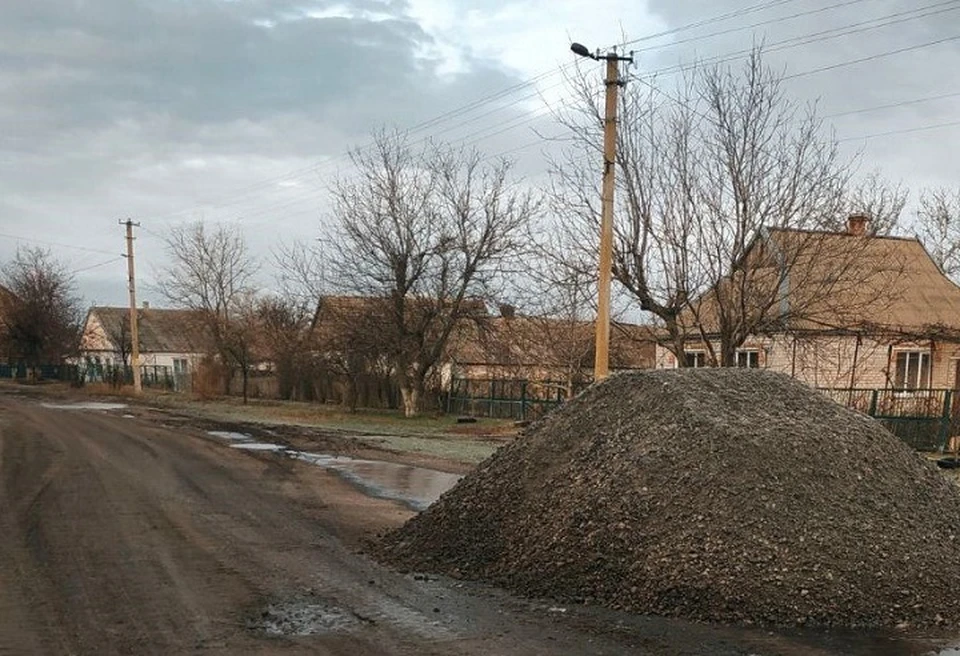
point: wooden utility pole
(601, 366)
(134, 330)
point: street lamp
(601, 366)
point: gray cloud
(144, 107)
(167, 110)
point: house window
(695, 359)
(179, 366)
(748, 359)
(913, 370)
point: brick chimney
(857, 224)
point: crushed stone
(727, 495)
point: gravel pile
(724, 495)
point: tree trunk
(728, 352)
(246, 379)
(412, 393)
(411, 400)
(227, 378)
(351, 392)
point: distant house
(175, 340)
(516, 346)
(508, 346)
(897, 325)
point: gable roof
(160, 330)
(530, 341)
(878, 284)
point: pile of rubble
(723, 495)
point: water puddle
(86, 405)
(416, 487)
(258, 446)
(230, 435)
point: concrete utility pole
(134, 329)
(601, 366)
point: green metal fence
(504, 398)
(925, 419)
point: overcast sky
(241, 110)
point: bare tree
(656, 260)
(883, 201)
(427, 232)
(285, 324)
(938, 227)
(119, 335)
(41, 314)
(710, 179)
(211, 271)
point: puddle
(303, 618)
(87, 405)
(230, 435)
(416, 487)
(949, 651)
(129, 416)
(257, 446)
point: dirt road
(122, 536)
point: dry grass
(386, 422)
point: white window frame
(698, 356)
(750, 354)
(913, 369)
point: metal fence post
(523, 401)
(945, 418)
(873, 403)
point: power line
(903, 131)
(880, 55)
(101, 264)
(902, 103)
(754, 26)
(53, 243)
(816, 37)
(716, 19)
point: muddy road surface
(119, 535)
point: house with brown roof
(487, 346)
(176, 340)
(513, 346)
(892, 320)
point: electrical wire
(889, 133)
(53, 243)
(902, 103)
(101, 264)
(817, 37)
(875, 57)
